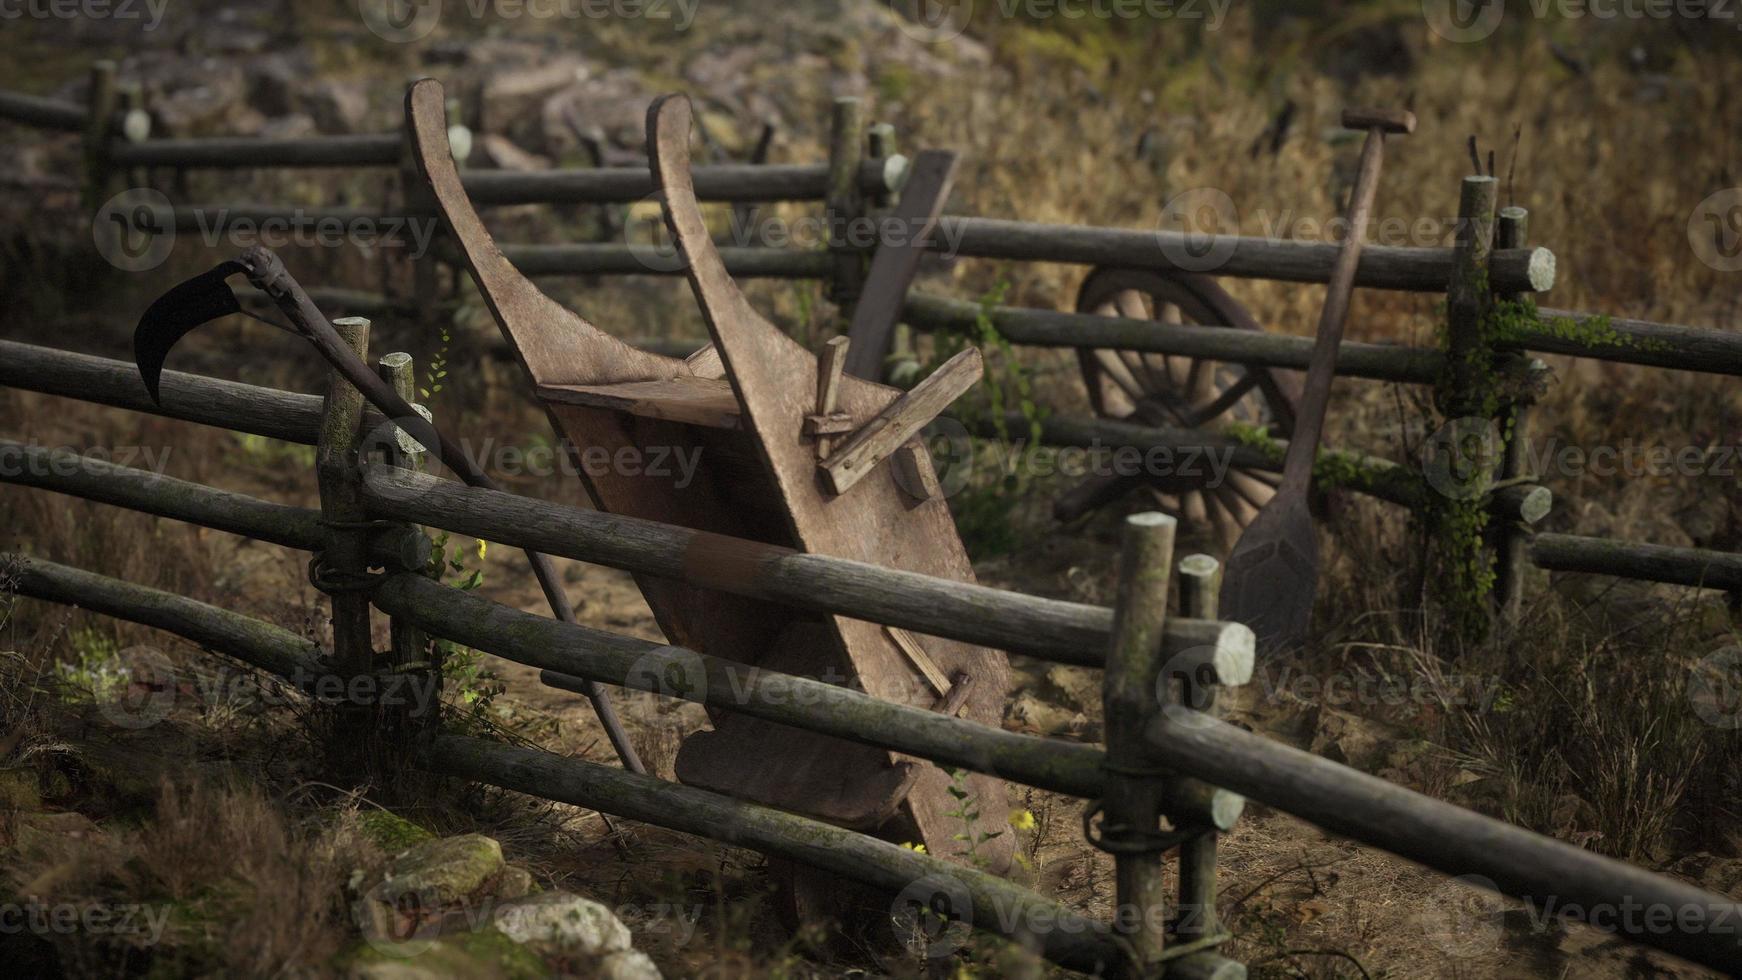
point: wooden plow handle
(554, 344)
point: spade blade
(201, 299)
(1271, 575)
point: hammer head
(1384, 120)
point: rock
(272, 82)
(445, 870)
(287, 127)
(336, 107)
(482, 955)
(1350, 739)
(615, 102)
(19, 789)
(1029, 713)
(501, 152)
(630, 964)
(391, 832)
(514, 882)
(513, 95)
(32, 832)
(558, 923)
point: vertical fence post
(98, 129)
(1131, 825)
(341, 570)
(1200, 581)
(1510, 546)
(846, 202)
(1200, 578)
(1468, 400)
(408, 646)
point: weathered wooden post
(1469, 401)
(1200, 581)
(845, 203)
(341, 569)
(1511, 550)
(1131, 827)
(408, 647)
(100, 103)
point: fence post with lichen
(341, 569)
(1463, 452)
(409, 720)
(1511, 547)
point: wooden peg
(913, 472)
(890, 429)
(909, 646)
(830, 363)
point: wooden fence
(1513, 269)
(1191, 768)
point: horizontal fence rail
(1698, 567)
(34, 110)
(1554, 876)
(742, 183)
(190, 397)
(1067, 632)
(593, 654)
(595, 259)
(260, 644)
(237, 152)
(1516, 270)
(1667, 345)
(64, 471)
(1052, 328)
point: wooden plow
(794, 453)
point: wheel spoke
(1229, 397)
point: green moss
(391, 832)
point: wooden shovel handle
(1297, 466)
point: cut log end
(1400, 121)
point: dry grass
(1588, 733)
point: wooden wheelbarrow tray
(751, 404)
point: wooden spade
(1274, 568)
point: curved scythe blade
(176, 313)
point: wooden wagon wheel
(1181, 392)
